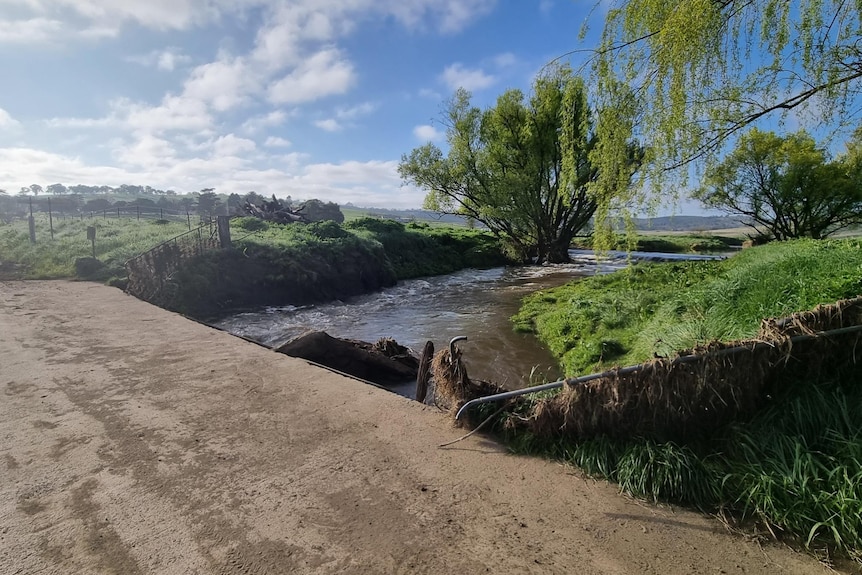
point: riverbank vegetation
(703, 243)
(795, 468)
(278, 264)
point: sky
(307, 98)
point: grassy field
(117, 240)
(796, 468)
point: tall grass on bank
(658, 309)
(795, 468)
(116, 242)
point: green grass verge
(656, 309)
(796, 468)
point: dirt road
(133, 440)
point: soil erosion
(136, 441)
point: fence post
(223, 223)
(50, 219)
(32, 223)
(189, 220)
(139, 213)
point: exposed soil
(133, 440)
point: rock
(384, 363)
(86, 268)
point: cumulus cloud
(457, 76)
(328, 125)
(323, 74)
(231, 145)
(7, 121)
(427, 133)
(223, 84)
(373, 183)
(168, 59)
(505, 60)
(276, 142)
(173, 113)
(257, 123)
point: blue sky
(308, 98)
(312, 98)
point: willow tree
(691, 74)
(520, 167)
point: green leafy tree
(786, 186)
(208, 202)
(317, 211)
(56, 189)
(693, 74)
(520, 167)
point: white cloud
(450, 15)
(33, 31)
(78, 123)
(430, 94)
(276, 142)
(329, 125)
(174, 113)
(427, 133)
(7, 121)
(257, 123)
(374, 183)
(354, 112)
(148, 152)
(223, 84)
(505, 60)
(231, 145)
(168, 59)
(457, 76)
(323, 74)
(345, 116)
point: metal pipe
(635, 368)
(452, 344)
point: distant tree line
(81, 199)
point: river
(472, 303)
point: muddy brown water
(472, 303)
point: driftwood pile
(679, 398)
(385, 362)
(276, 211)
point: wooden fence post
(223, 223)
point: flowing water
(473, 303)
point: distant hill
(688, 223)
(660, 224)
(403, 215)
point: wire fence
(150, 273)
(55, 208)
